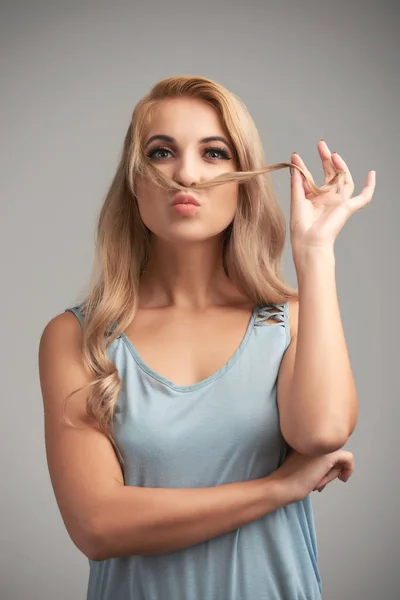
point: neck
(187, 276)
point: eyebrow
(171, 140)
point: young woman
(206, 398)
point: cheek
(221, 206)
(150, 201)
(226, 198)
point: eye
(153, 153)
(223, 153)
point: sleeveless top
(223, 429)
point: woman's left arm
(316, 392)
(317, 396)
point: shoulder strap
(77, 312)
(286, 321)
(279, 312)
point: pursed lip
(184, 199)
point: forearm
(323, 395)
(139, 520)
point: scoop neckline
(194, 386)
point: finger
(297, 193)
(299, 179)
(366, 194)
(347, 183)
(330, 476)
(327, 164)
(345, 474)
(347, 470)
(319, 488)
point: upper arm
(82, 462)
(285, 374)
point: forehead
(185, 118)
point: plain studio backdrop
(71, 74)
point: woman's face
(188, 160)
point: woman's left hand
(315, 220)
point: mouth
(184, 199)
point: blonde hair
(253, 244)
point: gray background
(71, 73)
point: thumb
(296, 181)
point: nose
(186, 171)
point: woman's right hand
(303, 474)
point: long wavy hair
(253, 242)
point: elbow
(89, 539)
(316, 445)
(96, 544)
(95, 549)
(90, 544)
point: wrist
(313, 257)
(283, 489)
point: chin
(186, 233)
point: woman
(205, 402)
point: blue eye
(153, 152)
(221, 151)
(224, 154)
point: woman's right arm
(105, 518)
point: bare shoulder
(60, 359)
(58, 326)
(60, 344)
(293, 314)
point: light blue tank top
(220, 430)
